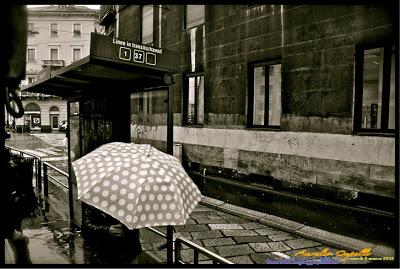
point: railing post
(45, 188)
(195, 256)
(177, 251)
(170, 244)
(39, 175)
(45, 181)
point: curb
(322, 236)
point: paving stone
(267, 231)
(186, 235)
(252, 239)
(281, 237)
(192, 228)
(263, 258)
(238, 232)
(211, 201)
(241, 260)
(206, 234)
(210, 221)
(187, 255)
(224, 226)
(301, 243)
(261, 247)
(278, 246)
(254, 225)
(236, 250)
(219, 241)
(214, 217)
(190, 222)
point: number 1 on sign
(125, 53)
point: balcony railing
(58, 63)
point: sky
(89, 6)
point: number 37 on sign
(139, 56)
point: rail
(197, 250)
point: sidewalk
(242, 236)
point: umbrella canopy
(136, 184)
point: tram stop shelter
(98, 89)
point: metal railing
(179, 241)
(36, 162)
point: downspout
(159, 25)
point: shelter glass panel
(149, 118)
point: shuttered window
(194, 16)
(147, 24)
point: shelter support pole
(70, 187)
(170, 126)
(170, 244)
(170, 123)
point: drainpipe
(159, 25)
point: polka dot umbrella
(136, 184)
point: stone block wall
(315, 145)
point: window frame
(80, 50)
(359, 90)
(250, 98)
(34, 55)
(51, 31)
(73, 30)
(185, 15)
(185, 96)
(141, 26)
(58, 53)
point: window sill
(366, 133)
(276, 129)
(193, 125)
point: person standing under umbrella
(107, 241)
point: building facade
(295, 97)
(57, 36)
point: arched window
(54, 110)
(32, 107)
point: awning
(112, 65)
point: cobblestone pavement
(240, 240)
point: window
(265, 104)
(31, 28)
(31, 80)
(374, 107)
(54, 30)
(77, 29)
(194, 100)
(31, 55)
(194, 16)
(147, 24)
(76, 54)
(53, 54)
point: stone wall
(315, 145)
